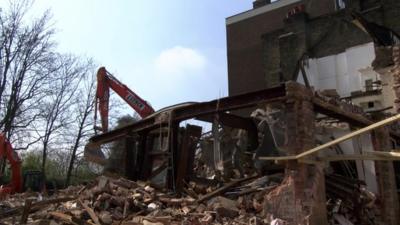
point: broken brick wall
(396, 77)
(390, 211)
(300, 199)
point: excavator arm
(105, 82)
(7, 152)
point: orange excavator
(33, 180)
(105, 82)
(7, 152)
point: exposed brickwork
(390, 210)
(292, 45)
(384, 170)
(300, 199)
(396, 77)
(283, 202)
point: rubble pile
(121, 201)
(349, 202)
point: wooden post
(186, 154)
(130, 158)
(173, 129)
(148, 161)
(25, 213)
(141, 154)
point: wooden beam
(189, 111)
(34, 206)
(376, 156)
(336, 112)
(25, 212)
(91, 212)
(158, 170)
(225, 188)
(336, 141)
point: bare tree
(56, 106)
(26, 55)
(84, 108)
(46, 98)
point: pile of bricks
(121, 201)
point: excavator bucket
(93, 153)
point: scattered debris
(121, 201)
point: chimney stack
(260, 3)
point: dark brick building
(266, 42)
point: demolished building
(341, 55)
(301, 197)
(311, 117)
(304, 187)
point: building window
(371, 105)
(369, 85)
(340, 4)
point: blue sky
(166, 51)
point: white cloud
(179, 60)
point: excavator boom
(105, 82)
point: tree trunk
(74, 149)
(44, 158)
(71, 162)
